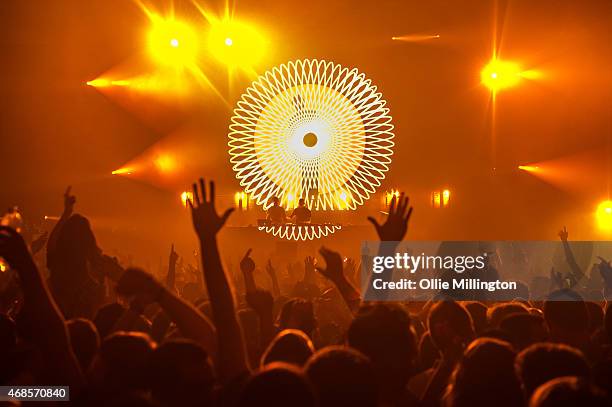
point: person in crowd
(544, 361)
(126, 337)
(301, 214)
(276, 213)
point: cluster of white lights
(300, 232)
(311, 128)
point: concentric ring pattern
(311, 129)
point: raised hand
(334, 272)
(206, 221)
(309, 263)
(334, 265)
(173, 255)
(605, 269)
(350, 269)
(563, 235)
(270, 268)
(247, 265)
(396, 224)
(69, 201)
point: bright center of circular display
(314, 129)
(310, 139)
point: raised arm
(394, 229)
(334, 272)
(576, 271)
(272, 273)
(69, 201)
(144, 289)
(41, 313)
(247, 267)
(207, 223)
(171, 276)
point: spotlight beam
(416, 37)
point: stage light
(416, 37)
(3, 266)
(236, 43)
(498, 75)
(122, 171)
(353, 132)
(445, 198)
(186, 196)
(440, 199)
(172, 42)
(100, 83)
(529, 168)
(389, 196)
(604, 215)
(241, 201)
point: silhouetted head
(298, 313)
(290, 346)
(121, 362)
(277, 385)
(485, 376)
(301, 202)
(76, 239)
(567, 317)
(106, 317)
(84, 339)
(478, 312)
(496, 313)
(383, 333)
(275, 201)
(568, 392)
(524, 329)
(542, 362)
(342, 377)
(180, 373)
(450, 325)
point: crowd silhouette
(307, 341)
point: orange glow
(529, 168)
(236, 43)
(389, 196)
(165, 163)
(122, 171)
(604, 215)
(440, 199)
(500, 74)
(186, 196)
(416, 37)
(445, 198)
(241, 201)
(100, 83)
(172, 42)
